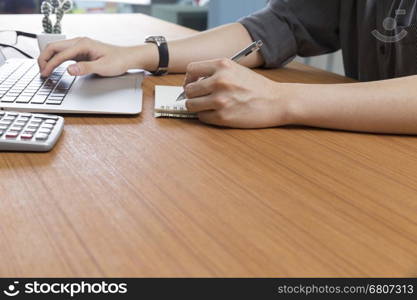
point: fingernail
(187, 89)
(74, 70)
(189, 86)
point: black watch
(162, 45)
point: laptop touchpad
(106, 94)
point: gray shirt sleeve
(295, 27)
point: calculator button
(20, 123)
(12, 134)
(24, 119)
(30, 130)
(47, 126)
(41, 137)
(3, 127)
(52, 122)
(5, 123)
(16, 128)
(12, 114)
(2, 113)
(46, 131)
(26, 136)
(50, 117)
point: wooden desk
(149, 197)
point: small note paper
(166, 105)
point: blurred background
(196, 14)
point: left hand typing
(234, 96)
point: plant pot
(45, 38)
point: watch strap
(163, 60)
(163, 51)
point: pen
(255, 46)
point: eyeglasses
(9, 38)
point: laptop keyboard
(22, 84)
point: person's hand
(92, 57)
(234, 96)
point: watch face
(155, 39)
(160, 39)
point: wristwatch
(162, 45)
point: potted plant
(52, 32)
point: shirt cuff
(270, 26)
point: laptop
(22, 89)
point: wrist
(292, 94)
(144, 56)
(286, 111)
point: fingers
(205, 69)
(209, 94)
(59, 58)
(214, 74)
(200, 88)
(199, 104)
(209, 103)
(84, 68)
(52, 49)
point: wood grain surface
(140, 196)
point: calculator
(29, 131)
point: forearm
(382, 107)
(219, 42)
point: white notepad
(166, 105)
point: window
(189, 13)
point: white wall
(227, 11)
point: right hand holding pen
(92, 57)
(235, 96)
